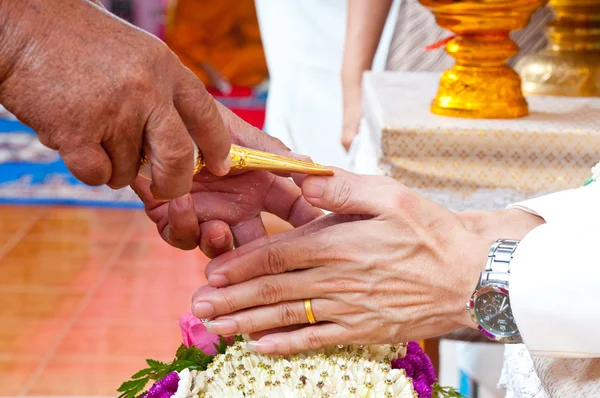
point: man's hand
(402, 269)
(219, 212)
(100, 91)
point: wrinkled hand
(99, 91)
(219, 212)
(402, 269)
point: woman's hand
(401, 269)
(221, 211)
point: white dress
(518, 374)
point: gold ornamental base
(481, 85)
(570, 66)
(565, 73)
(477, 93)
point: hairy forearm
(366, 20)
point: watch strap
(497, 268)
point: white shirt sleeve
(555, 275)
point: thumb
(348, 193)
(246, 135)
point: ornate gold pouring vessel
(570, 65)
(481, 84)
(245, 159)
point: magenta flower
(418, 366)
(164, 388)
(193, 333)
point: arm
(366, 20)
(555, 275)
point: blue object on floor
(32, 174)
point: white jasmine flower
(341, 371)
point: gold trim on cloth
(471, 159)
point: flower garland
(208, 366)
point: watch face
(493, 312)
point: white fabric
(555, 273)
(303, 42)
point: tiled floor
(85, 296)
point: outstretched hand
(393, 267)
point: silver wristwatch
(490, 304)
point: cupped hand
(100, 91)
(221, 211)
(402, 270)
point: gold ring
(309, 312)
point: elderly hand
(402, 268)
(99, 91)
(220, 211)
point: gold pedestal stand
(570, 66)
(481, 85)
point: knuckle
(287, 315)
(229, 304)
(269, 292)
(275, 261)
(342, 193)
(313, 340)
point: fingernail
(217, 280)
(202, 309)
(217, 242)
(182, 202)
(262, 347)
(314, 187)
(224, 327)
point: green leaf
(222, 347)
(132, 388)
(155, 364)
(180, 351)
(142, 373)
(446, 392)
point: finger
(350, 193)
(182, 230)
(267, 317)
(259, 291)
(276, 258)
(89, 163)
(309, 338)
(249, 136)
(170, 149)
(203, 121)
(124, 153)
(231, 268)
(141, 186)
(248, 231)
(261, 334)
(285, 200)
(215, 238)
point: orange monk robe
(223, 34)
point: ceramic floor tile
(14, 373)
(121, 340)
(77, 223)
(37, 305)
(157, 252)
(50, 271)
(68, 376)
(42, 247)
(12, 218)
(28, 337)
